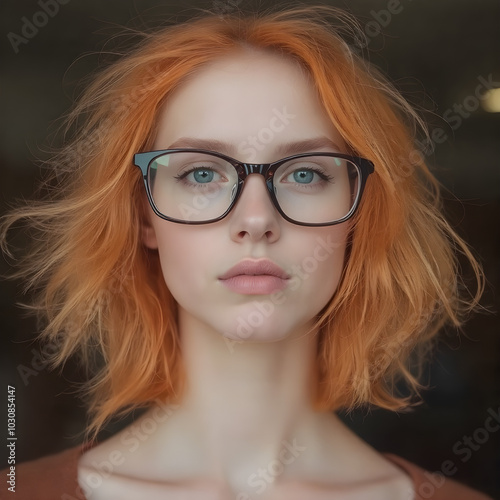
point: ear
(148, 235)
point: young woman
(245, 231)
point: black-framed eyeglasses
(195, 186)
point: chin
(243, 330)
(257, 336)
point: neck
(247, 401)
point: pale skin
(246, 427)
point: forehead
(242, 96)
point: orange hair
(99, 287)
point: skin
(248, 396)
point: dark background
(435, 52)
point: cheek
(325, 251)
(184, 254)
(321, 264)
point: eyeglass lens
(198, 187)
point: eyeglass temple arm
(142, 160)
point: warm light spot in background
(491, 101)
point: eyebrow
(208, 144)
(306, 146)
(284, 149)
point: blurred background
(444, 56)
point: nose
(255, 217)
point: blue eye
(303, 176)
(203, 176)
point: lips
(250, 277)
(255, 268)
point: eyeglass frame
(267, 170)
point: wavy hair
(100, 290)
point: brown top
(55, 478)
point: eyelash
(322, 175)
(183, 175)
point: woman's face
(256, 108)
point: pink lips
(250, 277)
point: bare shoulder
(397, 488)
(135, 463)
(101, 482)
(393, 485)
(110, 471)
(348, 468)
(134, 448)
